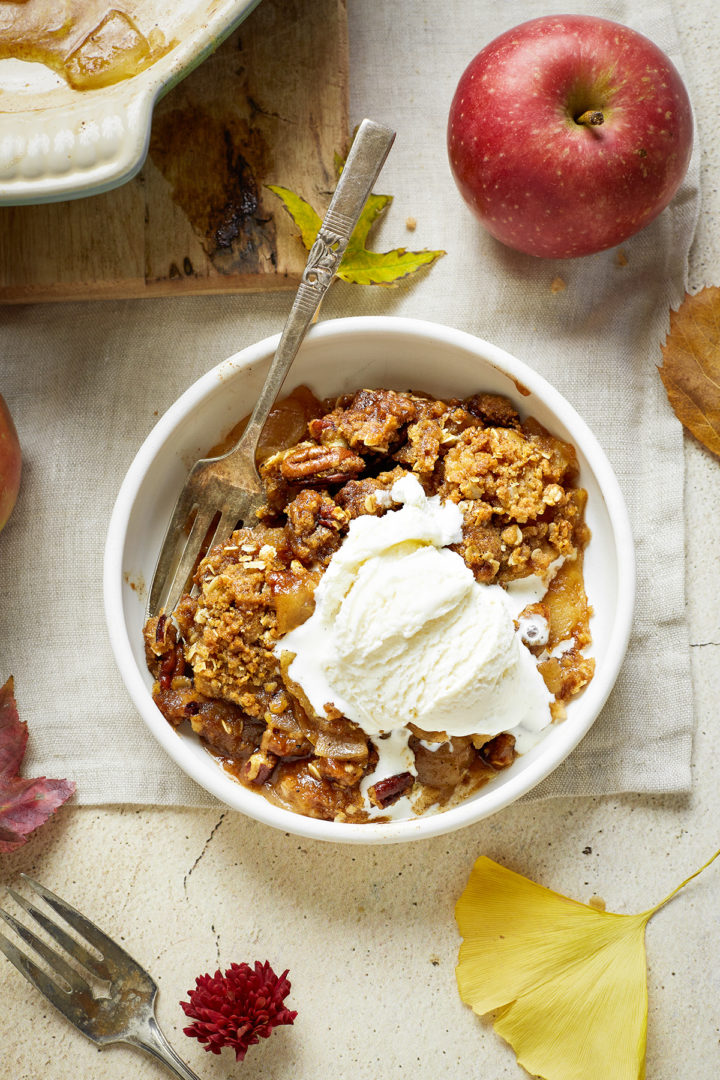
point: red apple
(10, 463)
(568, 134)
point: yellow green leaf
(567, 982)
(374, 208)
(300, 211)
(359, 265)
(384, 268)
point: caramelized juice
(88, 43)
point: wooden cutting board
(269, 107)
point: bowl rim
(214, 779)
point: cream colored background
(368, 934)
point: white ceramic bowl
(336, 357)
(59, 143)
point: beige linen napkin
(86, 382)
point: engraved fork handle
(366, 158)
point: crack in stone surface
(217, 943)
(214, 829)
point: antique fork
(125, 1014)
(225, 492)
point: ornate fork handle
(368, 152)
(227, 490)
(326, 253)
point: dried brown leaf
(691, 365)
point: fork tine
(178, 580)
(59, 998)
(110, 951)
(72, 1005)
(226, 525)
(74, 948)
(58, 964)
(168, 586)
(168, 552)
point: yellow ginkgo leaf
(567, 982)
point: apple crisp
(324, 465)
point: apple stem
(591, 118)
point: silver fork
(226, 491)
(126, 1014)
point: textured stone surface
(368, 934)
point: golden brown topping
(422, 449)
(371, 420)
(512, 535)
(315, 524)
(506, 469)
(567, 674)
(370, 495)
(493, 410)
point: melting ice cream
(402, 633)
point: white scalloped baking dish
(58, 143)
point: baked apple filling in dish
(88, 42)
(406, 617)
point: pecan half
(388, 791)
(500, 751)
(312, 464)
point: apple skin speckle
(521, 97)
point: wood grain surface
(269, 107)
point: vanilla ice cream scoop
(402, 633)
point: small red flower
(238, 1008)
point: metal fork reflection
(126, 1010)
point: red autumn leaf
(24, 804)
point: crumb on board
(597, 902)
(410, 224)
(621, 258)
(557, 285)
